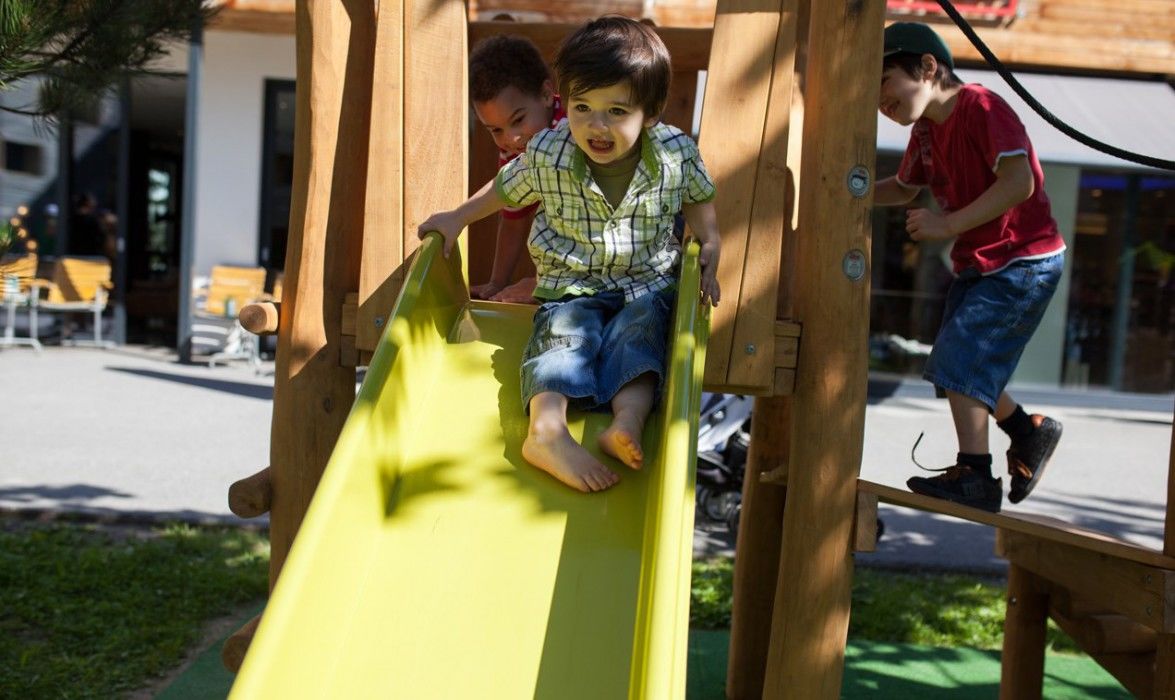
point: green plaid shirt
(579, 243)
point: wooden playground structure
(788, 131)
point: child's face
(903, 98)
(605, 123)
(513, 116)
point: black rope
(1039, 108)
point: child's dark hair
(911, 65)
(503, 61)
(610, 50)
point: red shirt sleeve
(996, 129)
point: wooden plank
(752, 356)
(1164, 669)
(756, 568)
(1107, 633)
(1025, 623)
(1073, 52)
(350, 314)
(865, 523)
(786, 351)
(436, 136)
(383, 231)
(312, 393)
(760, 535)
(785, 382)
(1169, 521)
(734, 116)
(1044, 527)
(811, 620)
(689, 46)
(1136, 672)
(683, 93)
(788, 329)
(1142, 593)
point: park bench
(78, 285)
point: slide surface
(434, 562)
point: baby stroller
(724, 434)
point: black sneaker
(961, 484)
(1028, 456)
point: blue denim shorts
(587, 347)
(987, 321)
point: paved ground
(131, 431)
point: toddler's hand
(708, 259)
(447, 223)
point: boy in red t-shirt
(970, 149)
(514, 97)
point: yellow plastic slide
(434, 562)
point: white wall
(228, 142)
(1042, 360)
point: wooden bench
(215, 329)
(79, 284)
(16, 274)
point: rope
(1037, 107)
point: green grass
(943, 610)
(91, 612)
(95, 613)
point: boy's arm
(1014, 183)
(703, 224)
(890, 192)
(450, 223)
(512, 233)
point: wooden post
(385, 242)
(1022, 663)
(760, 534)
(1164, 685)
(312, 393)
(811, 618)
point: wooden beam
(1169, 517)
(1142, 593)
(1136, 672)
(312, 393)
(760, 533)
(743, 140)
(811, 618)
(252, 496)
(689, 46)
(232, 654)
(1164, 669)
(436, 136)
(260, 318)
(1107, 633)
(1042, 526)
(1025, 623)
(385, 240)
(865, 523)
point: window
(26, 158)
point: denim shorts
(987, 321)
(588, 347)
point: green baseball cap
(914, 37)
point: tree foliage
(81, 48)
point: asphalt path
(132, 434)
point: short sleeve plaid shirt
(579, 243)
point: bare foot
(565, 459)
(622, 441)
(521, 292)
